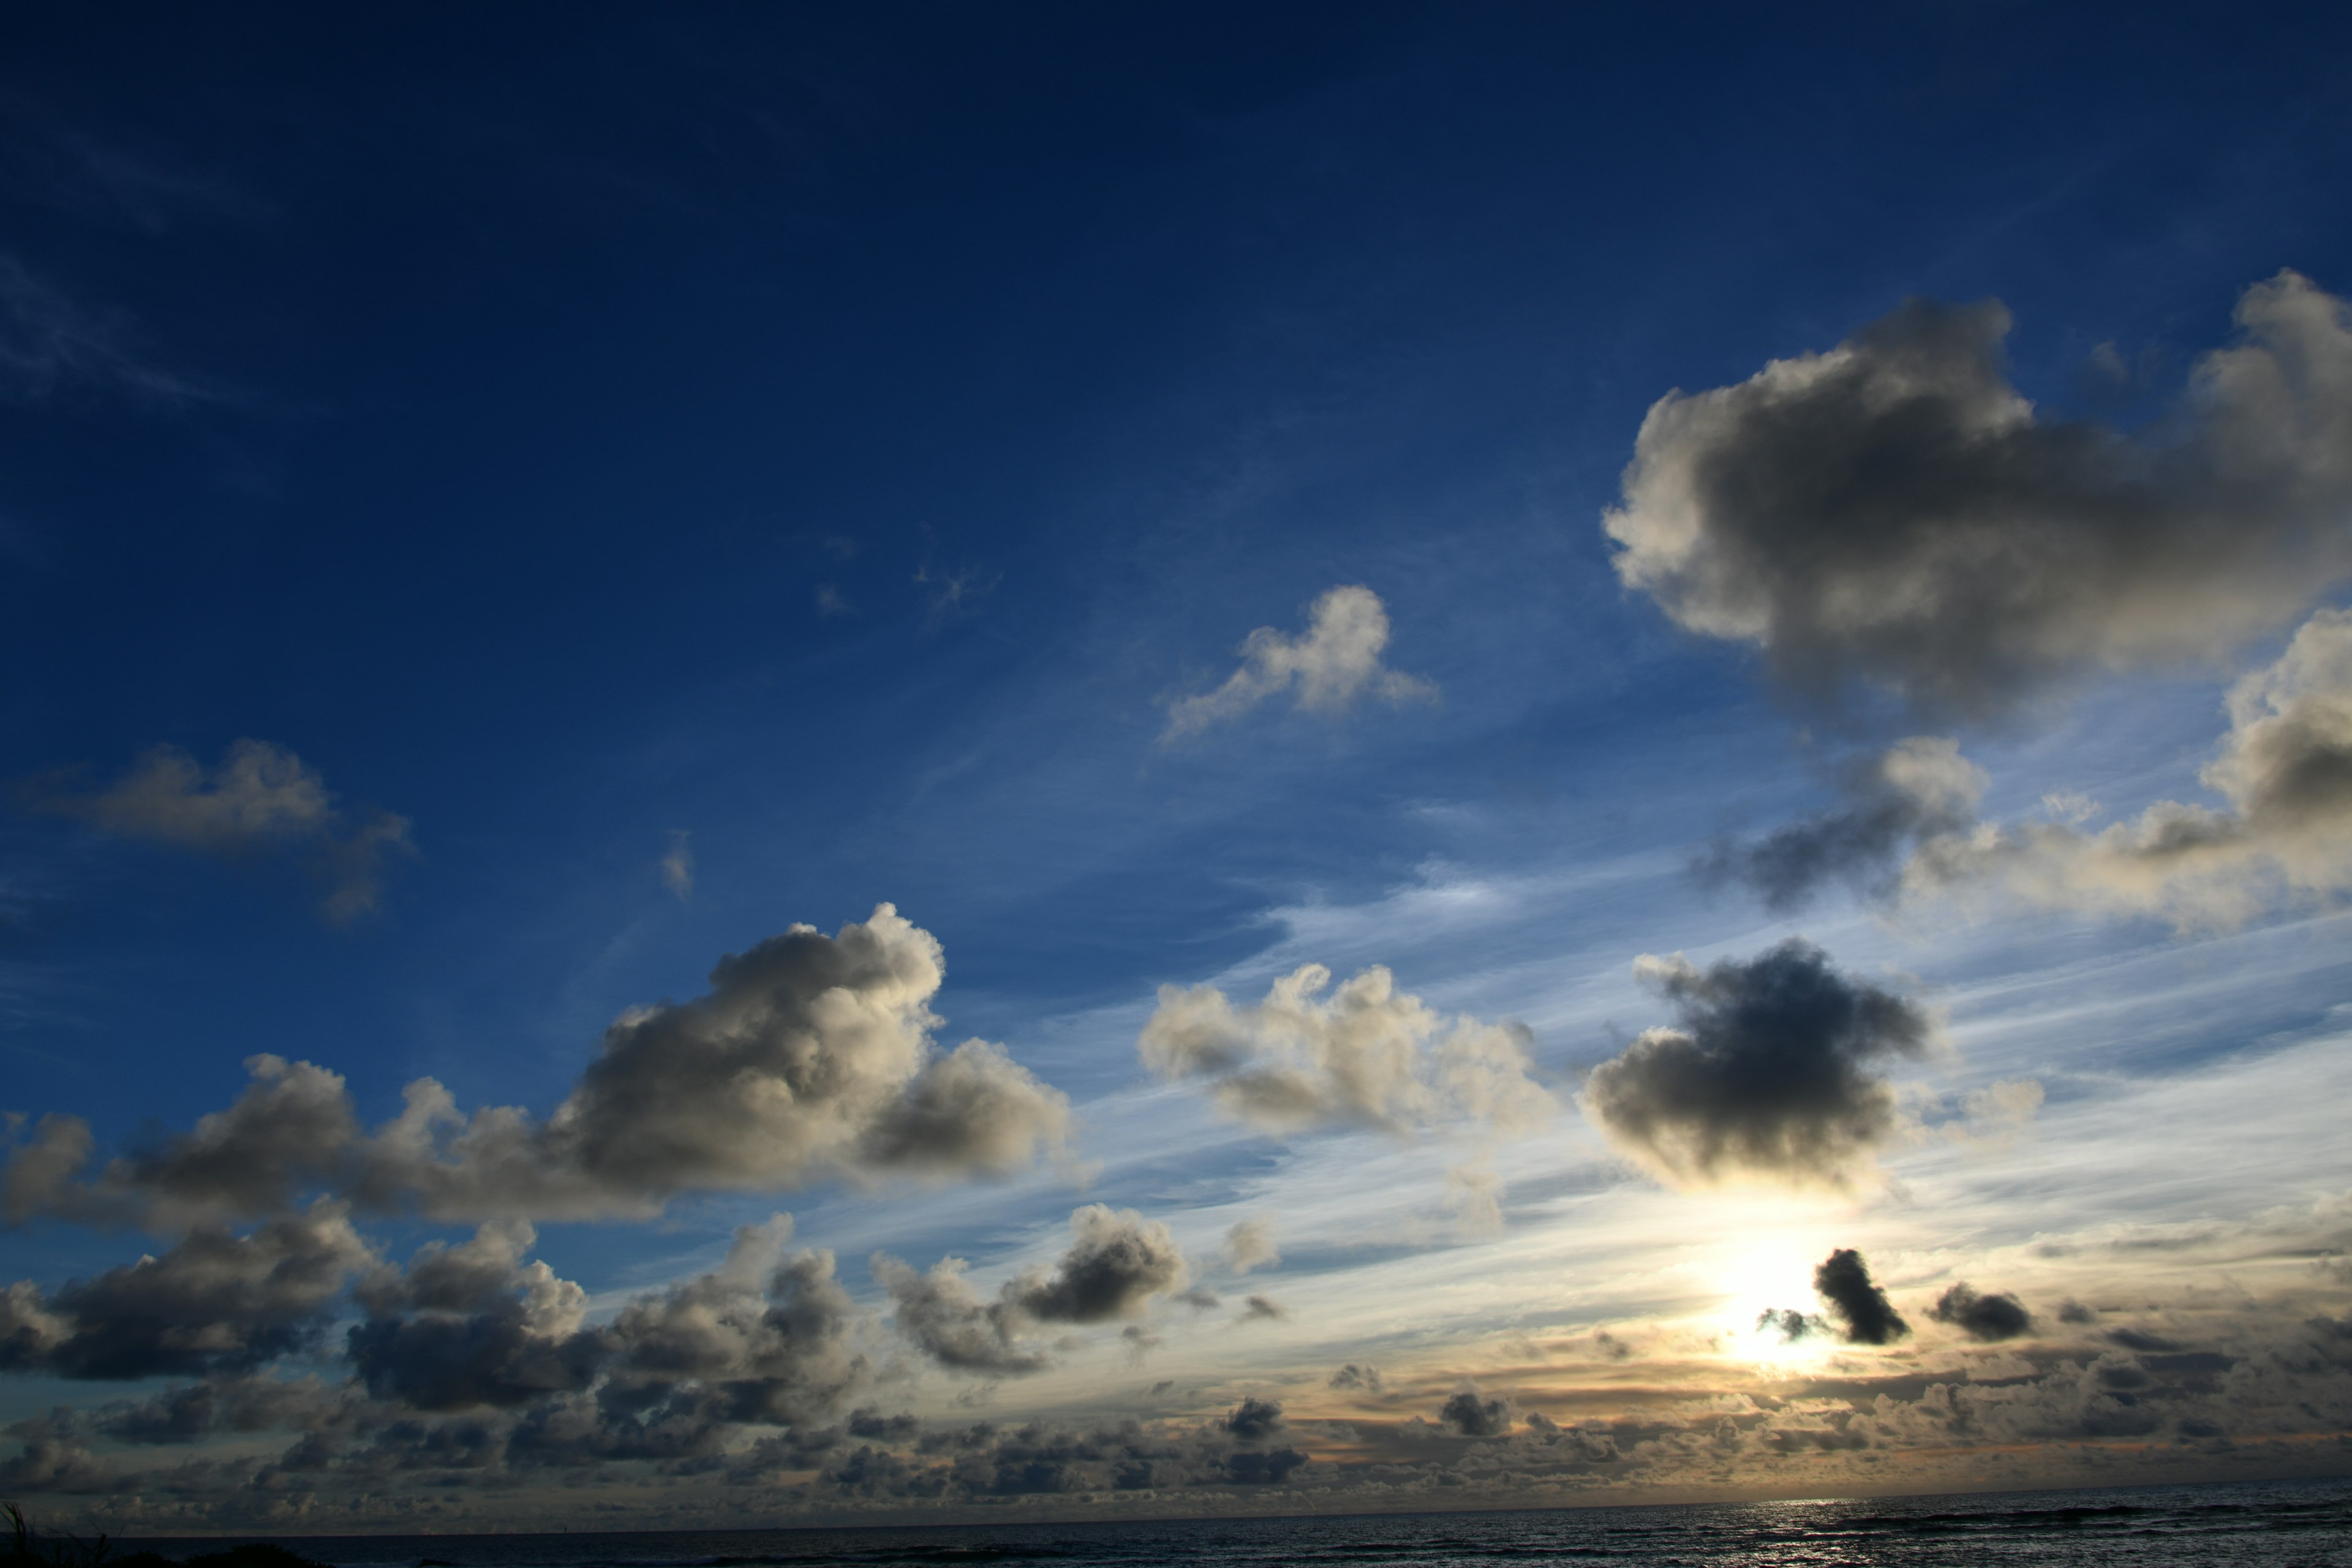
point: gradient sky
(1761, 591)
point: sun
(1773, 1273)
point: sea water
(2285, 1524)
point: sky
(893, 762)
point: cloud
(472, 1325)
(1364, 1056)
(1249, 1244)
(1769, 1075)
(1863, 1314)
(1990, 1318)
(261, 800)
(810, 1056)
(1893, 514)
(1917, 789)
(677, 865)
(50, 343)
(1115, 1262)
(1469, 1413)
(765, 1337)
(1038, 1458)
(1334, 664)
(1264, 1308)
(940, 1314)
(215, 1301)
(1355, 1377)
(2285, 769)
(1790, 1324)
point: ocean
(2287, 1524)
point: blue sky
(825, 449)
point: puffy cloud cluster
(215, 1301)
(809, 1055)
(473, 1362)
(1909, 827)
(261, 800)
(1893, 514)
(1116, 1263)
(2285, 769)
(1333, 665)
(1368, 1054)
(1243, 1448)
(1770, 1075)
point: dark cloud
(809, 1055)
(765, 1337)
(472, 1325)
(1261, 1308)
(1354, 1376)
(216, 1300)
(1117, 1262)
(1990, 1318)
(1917, 789)
(1469, 1413)
(1767, 1075)
(1863, 1314)
(1892, 514)
(1242, 1448)
(261, 800)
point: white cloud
(1336, 663)
(1369, 1055)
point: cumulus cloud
(1990, 1318)
(1356, 1377)
(1769, 1075)
(1243, 1449)
(261, 800)
(1368, 1054)
(1264, 1308)
(1470, 1414)
(1333, 665)
(809, 1055)
(472, 1325)
(943, 1317)
(216, 1300)
(1893, 514)
(1115, 1262)
(2285, 769)
(1249, 1244)
(1863, 1314)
